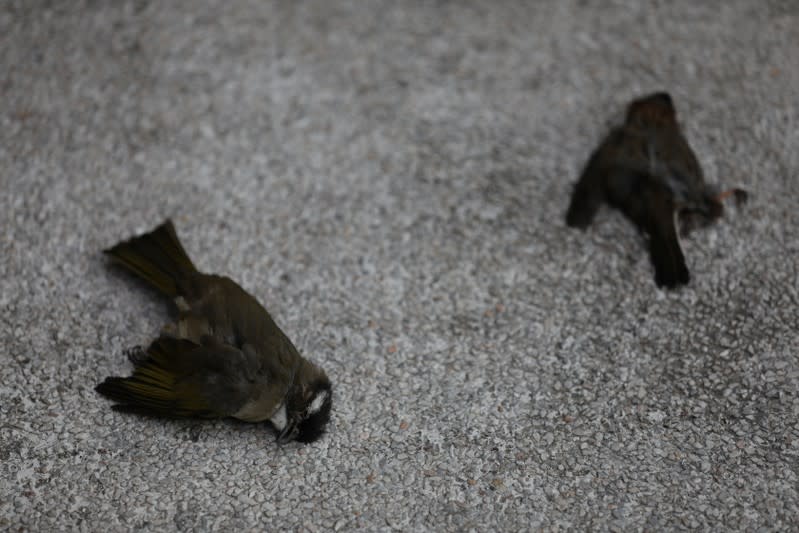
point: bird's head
(306, 408)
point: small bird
(222, 356)
(646, 169)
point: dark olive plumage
(222, 356)
(647, 169)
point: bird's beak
(288, 433)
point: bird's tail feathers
(157, 257)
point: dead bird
(646, 169)
(223, 355)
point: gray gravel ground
(390, 178)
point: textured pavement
(390, 179)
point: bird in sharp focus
(222, 356)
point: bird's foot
(741, 196)
(135, 355)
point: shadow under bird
(223, 356)
(646, 169)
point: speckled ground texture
(390, 179)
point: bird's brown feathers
(161, 385)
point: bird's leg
(135, 355)
(741, 196)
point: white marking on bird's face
(279, 419)
(317, 402)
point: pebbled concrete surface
(390, 179)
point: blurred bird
(223, 356)
(646, 169)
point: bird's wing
(592, 187)
(182, 378)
